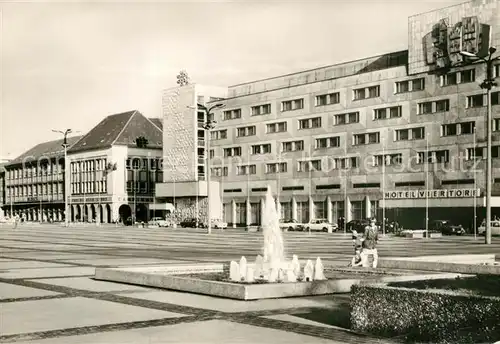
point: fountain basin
(210, 279)
(460, 263)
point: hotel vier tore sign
(423, 194)
(442, 46)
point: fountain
(273, 267)
(269, 276)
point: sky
(70, 64)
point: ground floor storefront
(111, 209)
(39, 212)
(408, 208)
(249, 211)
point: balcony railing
(201, 143)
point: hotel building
(350, 139)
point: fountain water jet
(273, 267)
(274, 253)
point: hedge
(436, 316)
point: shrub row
(425, 316)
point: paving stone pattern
(47, 293)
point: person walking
(16, 221)
(370, 240)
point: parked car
(217, 224)
(495, 228)
(446, 227)
(291, 225)
(158, 221)
(191, 223)
(357, 225)
(321, 225)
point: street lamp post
(208, 126)
(65, 179)
(487, 84)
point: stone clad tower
(185, 151)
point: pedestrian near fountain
(370, 240)
(357, 259)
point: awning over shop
(285, 198)
(319, 198)
(162, 206)
(301, 198)
(356, 197)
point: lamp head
(492, 50)
(467, 54)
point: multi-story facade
(401, 131)
(34, 183)
(114, 169)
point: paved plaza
(47, 293)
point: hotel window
(454, 129)
(309, 166)
(310, 123)
(328, 142)
(290, 105)
(418, 84)
(246, 131)
(385, 113)
(410, 85)
(387, 159)
(432, 107)
(449, 129)
(219, 171)
(495, 98)
(280, 167)
(292, 146)
(327, 99)
(439, 156)
(424, 108)
(232, 114)
(474, 153)
(218, 134)
(461, 77)
(449, 79)
(496, 71)
(496, 124)
(261, 110)
(233, 151)
(467, 127)
(366, 138)
(346, 118)
(261, 149)
(495, 151)
(402, 86)
(246, 170)
(410, 134)
(468, 75)
(278, 127)
(442, 105)
(368, 92)
(476, 100)
(345, 163)
(212, 153)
